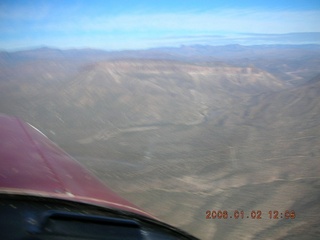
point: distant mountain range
(291, 63)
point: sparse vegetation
(180, 137)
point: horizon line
(49, 47)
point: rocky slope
(180, 138)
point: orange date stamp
(253, 214)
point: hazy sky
(136, 24)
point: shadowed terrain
(182, 131)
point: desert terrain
(182, 131)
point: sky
(142, 24)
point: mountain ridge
(199, 135)
(293, 64)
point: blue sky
(134, 24)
